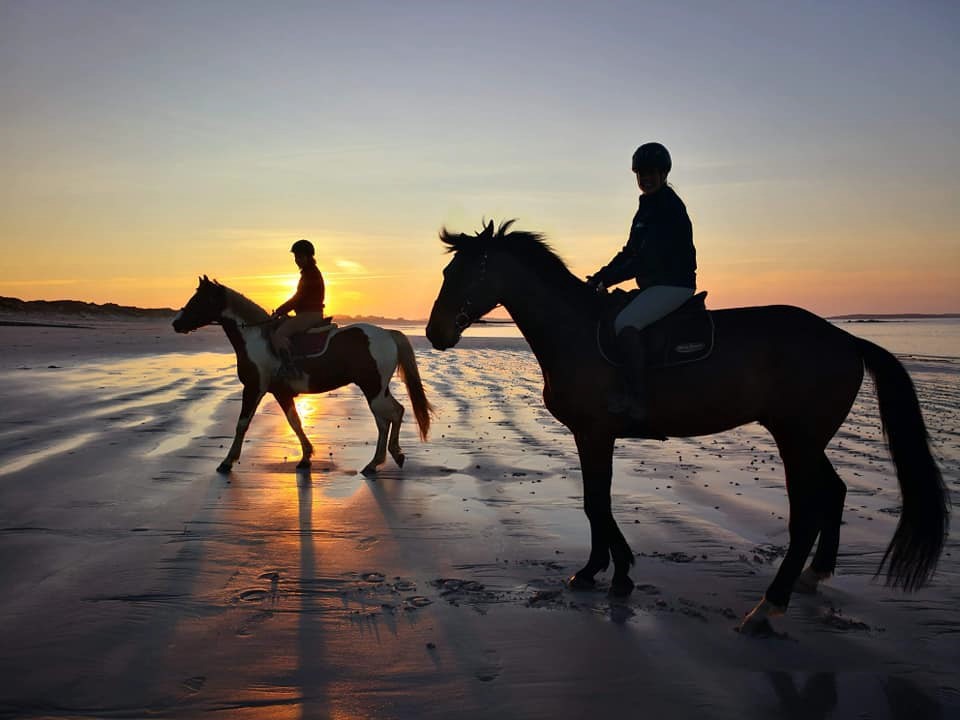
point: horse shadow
(818, 698)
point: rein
(256, 324)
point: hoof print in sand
(194, 684)
(545, 598)
(254, 595)
(489, 668)
(249, 624)
(456, 591)
(374, 593)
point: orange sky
(145, 145)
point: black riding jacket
(310, 292)
(660, 248)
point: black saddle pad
(313, 341)
(683, 336)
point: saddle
(683, 336)
(313, 341)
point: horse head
(205, 307)
(469, 290)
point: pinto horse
(783, 367)
(365, 355)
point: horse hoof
(400, 459)
(578, 582)
(621, 587)
(303, 464)
(369, 471)
(224, 468)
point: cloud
(350, 267)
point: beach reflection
(818, 697)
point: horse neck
(242, 319)
(554, 318)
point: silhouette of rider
(660, 255)
(307, 302)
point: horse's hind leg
(393, 444)
(804, 490)
(825, 559)
(382, 410)
(289, 408)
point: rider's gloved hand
(595, 284)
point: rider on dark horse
(660, 255)
(308, 303)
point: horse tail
(925, 518)
(410, 374)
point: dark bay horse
(365, 355)
(782, 367)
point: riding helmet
(303, 247)
(652, 156)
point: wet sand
(139, 582)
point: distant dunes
(14, 307)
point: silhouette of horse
(365, 355)
(780, 366)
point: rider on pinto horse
(660, 255)
(308, 303)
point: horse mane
(242, 305)
(531, 248)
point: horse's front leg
(289, 408)
(596, 464)
(251, 399)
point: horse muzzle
(179, 325)
(442, 339)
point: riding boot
(633, 399)
(287, 370)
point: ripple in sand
(834, 618)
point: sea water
(914, 337)
(920, 337)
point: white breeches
(651, 305)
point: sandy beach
(140, 583)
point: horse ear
(487, 231)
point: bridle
(463, 320)
(240, 325)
